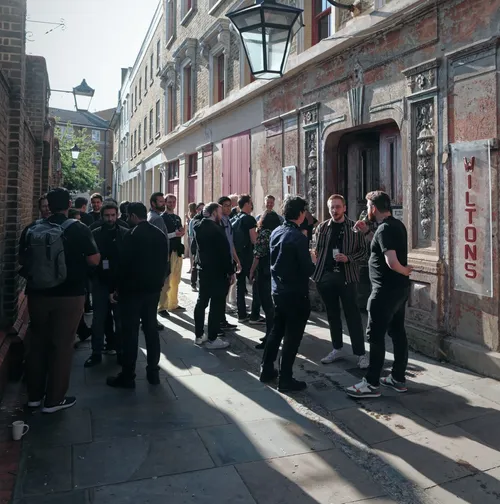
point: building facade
(402, 96)
(28, 164)
(99, 129)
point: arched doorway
(363, 160)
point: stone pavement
(213, 434)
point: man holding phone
(389, 276)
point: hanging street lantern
(266, 30)
(83, 95)
(75, 152)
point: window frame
(151, 125)
(170, 14)
(145, 132)
(158, 54)
(192, 163)
(158, 118)
(187, 9)
(95, 133)
(316, 18)
(139, 128)
(146, 73)
(173, 171)
(221, 83)
(151, 67)
(140, 89)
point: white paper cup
(18, 430)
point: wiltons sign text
(471, 245)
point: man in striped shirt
(339, 252)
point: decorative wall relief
(310, 125)
(424, 128)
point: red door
(192, 188)
(236, 164)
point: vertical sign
(289, 181)
(472, 229)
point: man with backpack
(244, 236)
(55, 254)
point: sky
(101, 37)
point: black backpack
(241, 238)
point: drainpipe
(105, 183)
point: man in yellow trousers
(175, 232)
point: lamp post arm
(341, 6)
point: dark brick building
(27, 156)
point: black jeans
(246, 265)
(194, 276)
(134, 309)
(264, 288)
(213, 290)
(332, 293)
(386, 313)
(290, 319)
(102, 309)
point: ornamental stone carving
(422, 77)
(425, 138)
(216, 38)
(169, 75)
(187, 50)
(312, 169)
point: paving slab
(255, 405)
(485, 429)
(314, 478)
(481, 488)
(328, 396)
(263, 439)
(485, 387)
(381, 420)
(448, 405)
(59, 498)
(222, 485)
(434, 457)
(206, 364)
(156, 419)
(124, 459)
(47, 470)
(214, 385)
(68, 427)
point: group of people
(130, 260)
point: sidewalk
(211, 433)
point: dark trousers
(213, 290)
(134, 309)
(194, 276)
(246, 265)
(266, 299)
(386, 314)
(53, 324)
(103, 309)
(332, 294)
(291, 313)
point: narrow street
(212, 433)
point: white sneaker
(216, 344)
(200, 341)
(363, 389)
(333, 356)
(363, 362)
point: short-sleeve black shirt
(243, 223)
(391, 234)
(173, 223)
(79, 243)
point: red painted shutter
(236, 164)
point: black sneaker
(226, 326)
(267, 376)
(66, 403)
(160, 326)
(89, 309)
(164, 314)
(93, 360)
(153, 377)
(109, 350)
(120, 381)
(85, 334)
(180, 308)
(291, 385)
(260, 346)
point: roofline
(92, 126)
(148, 38)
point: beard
(371, 217)
(160, 208)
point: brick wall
(23, 93)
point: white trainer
(200, 341)
(216, 344)
(334, 355)
(363, 361)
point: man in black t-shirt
(96, 200)
(244, 237)
(81, 205)
(56, 312)
(389, 276)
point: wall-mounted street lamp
(82, 94)
(75, 153)
(266, 30)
